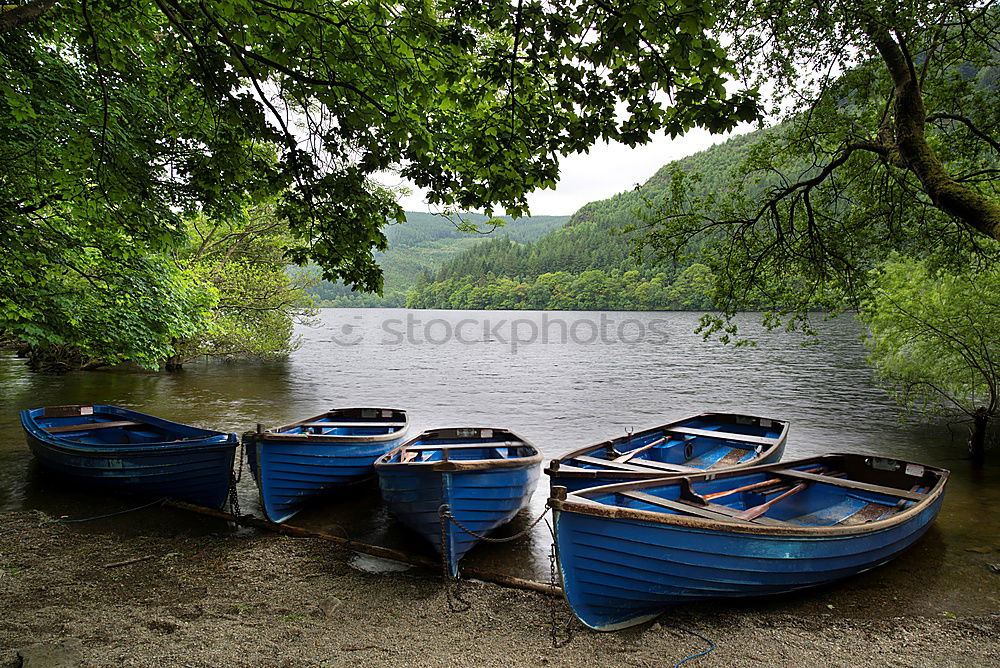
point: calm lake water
(561, 380)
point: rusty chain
(451, 584)
(234, 497)
(445, 512)
(567, 632)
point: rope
(445, 511)
(711, 645)
(83, 519)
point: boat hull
(481, 500)
(475, 477)
(629, 551)
(194, 471)
(296, 463)
(618, 573)
(291, 474)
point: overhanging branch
(12, 18)
(969, 124)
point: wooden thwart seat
(711, 511)
(464, 446)
(90, 426)
(852, 484)
(723, 435)
(669, 468)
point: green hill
(588, 263)
(422, 244)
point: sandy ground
(250, 599)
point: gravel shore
(250, 599)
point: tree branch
(102, 81)
(972, 208)
(969, 124)
(13, 18)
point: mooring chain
(239, 459)
(234, 497)
(451, 584)
(567, 632)
(445, 512)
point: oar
(757, 511)
(756, 485)
(629, 455)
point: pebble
(328, 606)
(63, 654)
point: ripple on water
(560, 395)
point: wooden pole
(365, 548)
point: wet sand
(242, 598)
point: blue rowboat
(629, 551)
(706, 442)
(298, 462)
(118, 450)
(483, 476)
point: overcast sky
(607, 170)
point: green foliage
(226, 293)
(259, 299)
(423, 228)
(863, 164)
(107, 313)
(591, 290)
(600, 237)
(131, 114)
(932, 335)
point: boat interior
(462, 445)
(100, 428)
(680, 449)
(815, 495)
(344, 428)
(349, 422)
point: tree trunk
(977, 442)
(913, 151)
(15, 16)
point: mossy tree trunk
(907, 145)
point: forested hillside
(590, 262)
(422, 244)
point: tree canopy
(889, 141)
(933, 340)
(120, 121)
(126, 115)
